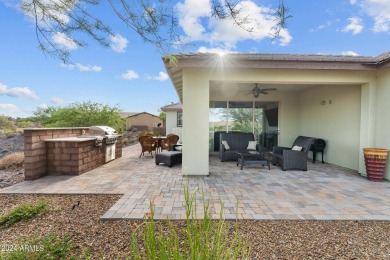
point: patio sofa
(236, 142)
(294, 157)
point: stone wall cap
(71, 139)
(54, 128)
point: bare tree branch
(155, 22)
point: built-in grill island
(69, 151)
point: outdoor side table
(251, 157)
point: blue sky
(131, 74)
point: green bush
(80, 115)
(25, 211)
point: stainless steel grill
(109, 133)
(105, 134)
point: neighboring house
(174, 119)
(341, 99)
(143, 121)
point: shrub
(12, 160)
(125, 141)
(25, 211)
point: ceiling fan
(256, 91)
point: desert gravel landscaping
(269, 239)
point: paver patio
(324, 192)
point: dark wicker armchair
(148, 144)
(168, 142)
(292, 159)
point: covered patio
(324, 192)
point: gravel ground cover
(11, 176)
(11, 143)
(268, 239)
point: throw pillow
(297, 148)
(252, 145)
(179, 148)
(226, 145)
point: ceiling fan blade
(268, 89)
(264, 92)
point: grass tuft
(205, 238)
(23, 212)
(12, 160)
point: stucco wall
(349, 119)
(337, 121)
(382, 137)
(143, 120)
(171, 125)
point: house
(174, 119)
(143, 121)
(341, 99)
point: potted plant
(375, 160)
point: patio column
(195, 123)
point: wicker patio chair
(148, 144)
(288, 158)
(168, 142)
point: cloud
(349, 53)
(64, 41)
(43, 106)
(198, 25)
(162, 76)
(8, 108)
(130, 74)
(118, 43)
(355, 25)
(379, 10)
(57, 100)
(352, 2)
(18, 92)
(81, 67)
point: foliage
(7, 123)
(25, 211)
(12, 160)
(41, 249)
(84, 114)
(163, 116)
(203, 239)
(155, 22)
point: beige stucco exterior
(143, 120)
(345, 105)
(171, 124)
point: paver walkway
(323, 192)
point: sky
(130, 73)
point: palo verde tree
(155, 22)
(83, 114)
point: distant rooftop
(172, 107)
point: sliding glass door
(238, 116)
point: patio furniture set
(243, 148)
(158, 144)
(150, 143)
(234, 146)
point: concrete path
(324, 192)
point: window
(179, 118)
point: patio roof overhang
(270, 61)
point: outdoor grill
(104, 134)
